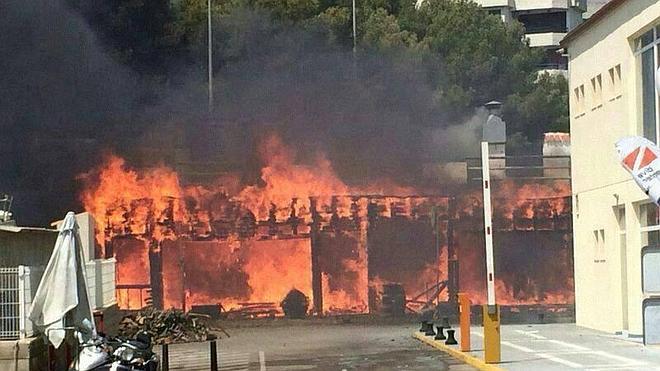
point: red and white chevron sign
(640, 156)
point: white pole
(488, 225)
(354, 29)
(21, 302)
(210, 56)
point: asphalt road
(324, 347)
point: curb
(465, 357)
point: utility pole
(210, 56)
(354, 30)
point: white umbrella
(61, 299)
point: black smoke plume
(65, 102)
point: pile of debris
(253, 310)
(295, 304)
(166, 327)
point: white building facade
(546, 23)
(612, 62)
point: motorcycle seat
(139, 345)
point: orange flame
(154, 207)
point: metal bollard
(441, 334)
(214, 356)
(165, 358)
(445, 322)
(464, 322)
(492, 343)
(451, 340)
(429, 330)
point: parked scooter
(135, 355)
(95, 354)
(106, 354)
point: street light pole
(354, 30)
(210, 57)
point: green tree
(481, 57)
(137, 31)
(469, 56)
(336, 20)
(543, 108)
(382, 32)
(290, 10)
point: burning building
(244, 248)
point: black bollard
(165, 362)
(423, 328)
(214, 356)
(441, 334)
(445, 322)
(451, 340)
(429, 329)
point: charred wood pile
(165, 327)
(252, 310)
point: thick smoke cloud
(61, 98)
(372, 113)
(64, 102)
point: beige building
(612, 62)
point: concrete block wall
(23, 355)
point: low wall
(29, 354)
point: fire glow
(301, 227)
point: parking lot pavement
(323, 347)
(566, 346)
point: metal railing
(17, 288)
(10, 304)
(133, 296)
(522, 167)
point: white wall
(606, 288)
(545, 39)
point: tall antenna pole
(210, 56)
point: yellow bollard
(464, 320)
(491, 314)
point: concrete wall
(86, 226)
(545, 39)
(541, 4)
(27, 247)
(101, 282)
(23, 355)
(607, 275)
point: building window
(597, 92)
(620, 213)
(615, 82)
(543, 22)
(650, 224)
(599, 246)
(646, 49)
(578, 94)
